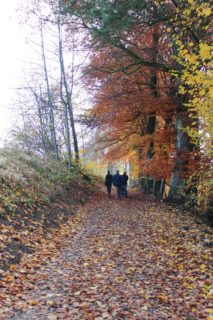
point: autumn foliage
(150, 76)
(133, 109)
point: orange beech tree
(138, 68)
(133, 121)
(134, 108)
(131, 48)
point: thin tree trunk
(154, 91)
(65, 102)
(68, 93)
(83, 147)
(25, 133)
(71, 114)
(38, 99)
(49, 96)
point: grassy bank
(36, 196)
(29, 180)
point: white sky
(12, 54)
(15, 57)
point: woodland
(114, 81)
(128, 81)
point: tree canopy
(150, 75)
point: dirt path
(126, 259)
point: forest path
(124, 259)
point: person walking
(108, 183)
(124, 179)
(116, 180)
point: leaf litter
(129, 259)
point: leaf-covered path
(120, 259)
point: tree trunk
(151, 124)
(183, 146)
(67, 101)
(49, 99)
(26, 140)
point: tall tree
(49, 97)
(66, 98)
(120, 24)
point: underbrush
(28, 181)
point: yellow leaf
(33, 302)
(52, 316)
(83, 305)
(205, 51)
(163, 298)
(50, 303)
(180, 267)
(192, 58)
(207, 12)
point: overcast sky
(13, 53)
(18, 51)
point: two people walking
(119, 182)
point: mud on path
(118, 259)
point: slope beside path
(117, 259)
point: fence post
(153, 185)
(161, 187)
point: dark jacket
(108, 180)
(124, 179)
(116, 180)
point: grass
(31, 180)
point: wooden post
(161, 188)
(153, 186)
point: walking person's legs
(119, 192)
(124, 191)
(109, 190)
